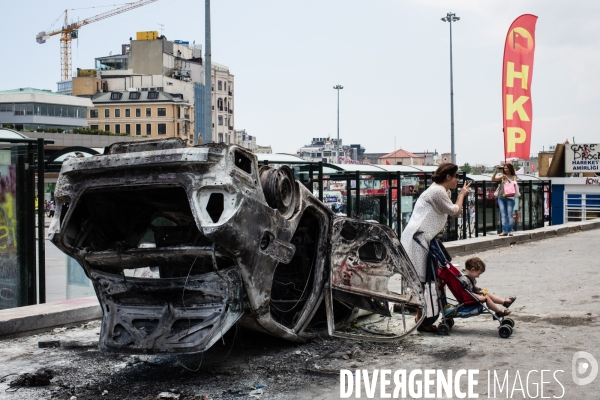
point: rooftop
(29, 90)
(400, 154)
(135, 97)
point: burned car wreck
(181, 243)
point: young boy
(474, 267)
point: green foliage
(466, 168)
(480, 169)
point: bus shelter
(387, 194)
(21, 283)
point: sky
(391, 56)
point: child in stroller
(474, 267)
(463, 287)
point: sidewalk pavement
(26, 320)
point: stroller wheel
(443, 329)
(508, 321)
(450, 323)
(505, 331)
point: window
(162, 129)
(219, 85)
(162, 112)
(116, 96)
(148, 112)
(24, 109)
(6, 107)
(107, 128)
(152, 95)
(94, 127)
(117, 128)
(224, 85)
(93, 113)
(127, 113)
(159, 88)
(220, 120)
(138, 112)
(220, 138)
(118, 113)
(134, 95)
(106, 113)
(148, 129)
(128, 129)
(138, 129)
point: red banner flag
(517, 72)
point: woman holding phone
(429, 218)
(506, 201)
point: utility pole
(207, 134)
(451, 17)
(338, 88)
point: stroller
(467, 305)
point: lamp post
(451, 17)
(207, 136)
(338, 88)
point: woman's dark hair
(510, 168)
(443, 170)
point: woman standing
(506, 202)
(429, 218)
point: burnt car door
(372, 276)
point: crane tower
(70, 31)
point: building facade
(222, 104)
(173, 67)
(148, 113)
(323, 149)
(35, 110)
(401, 157)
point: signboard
(406, 205)
(4, 157)
(582, 158)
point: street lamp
(338, 88)
(451, 17)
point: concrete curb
(28, 320)
(482, 243)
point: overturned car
(181, 243)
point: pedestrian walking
(429, 218)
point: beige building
(222, 101)
(173, 67)
(142, 113)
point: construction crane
(70, 31)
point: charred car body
(181, 243)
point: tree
(479, 169)
(466, 168)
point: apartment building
(172, 67)
(327, 150)
(142, 113)
(222, 101)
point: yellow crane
(69, 31)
